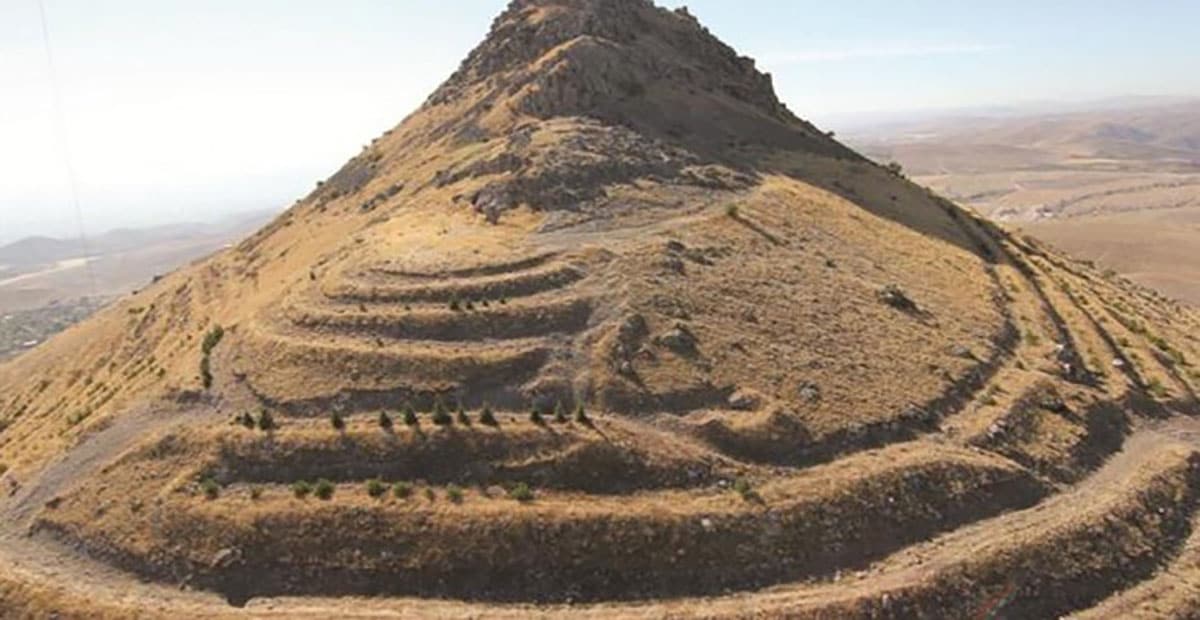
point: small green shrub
(324, 489)
(454, 494)
(1157, 389)
(560, 413)
(336, 421)
(535, 416)
(429, 494)
(247, 420)
(301, 489)
(206, 376)
(212, 339)
(385, 421)
(581, 415)
(731, 211)
(455, 305)
(255, 493)
(410, 416)
(743, 488)
(266, 421)
(376, 488)
(488, 417)
(441, 417)
(210, 488)
(521, 492)
(461, 417)
(402, 490)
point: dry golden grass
(794, 367)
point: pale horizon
(188, 113)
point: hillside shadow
(756, 145)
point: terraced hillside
(604, 330)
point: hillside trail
(38, 559)
(93, 452)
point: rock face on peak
(650, 91)
(622, 46)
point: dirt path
(88, 457)
(49, 563)
(57, 567)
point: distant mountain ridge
(1159, 132)
(31, 252)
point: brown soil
(808, 387)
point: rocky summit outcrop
(669, 100)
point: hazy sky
(186, 110)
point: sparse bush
(1157, 389)
(255, 493)
(521, 492)
(410, 416)
(454, 494)
(301, 489)
(385, 421)
(731, 211)
(487, 417)
(461, 417)
(206, 376)
(336, 421)
(455, 305)
(429, 494)
(560, 413)
(324, 489)
(581, 415)
(441, 416)
(247, 420)
(210, 342)
(535, 416)
(402, 490)
(212, 339)
(470, 305)
(210, 488)
(895, 168)
(266, 421)
(376, 488)
(746, 490)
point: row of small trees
(324, 489)
(439, 416)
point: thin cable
(60, 129)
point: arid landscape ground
(604, 330)
(1119, 185)
(47, 285)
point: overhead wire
(64, 146)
